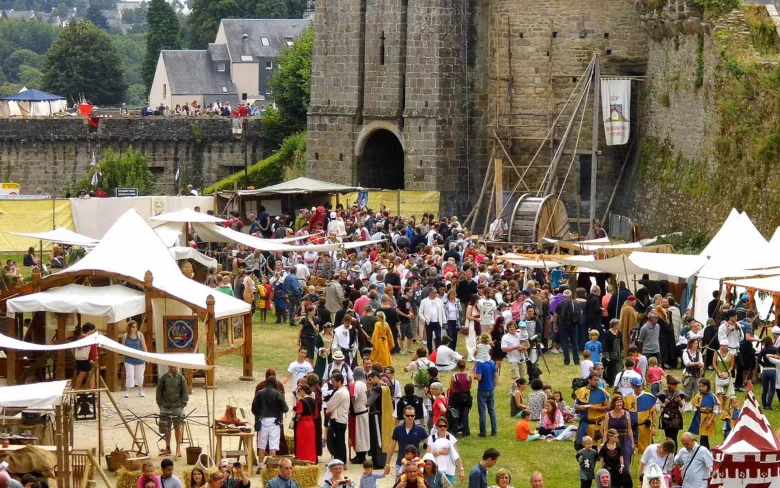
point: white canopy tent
(774, 242)
(115, 302)
(187, 215)
(302, 185)
(184, 252)
(131, 248)
(178, 359)
(214, 233)
(35, 395)
(59, 235)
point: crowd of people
(194, 109)
(418, 286)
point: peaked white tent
(36, 395)
(115, 302)
(131, 248)
(302, 185)
(59, 235)
(774, 242)
(736, 247)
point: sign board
(126, 192)
(10, 188)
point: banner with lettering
(616, 109)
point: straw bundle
(290, 438)
(306, 476)
(129, 479)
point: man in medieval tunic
(359, 432)
(641, 407)
(591, 403)
(380, 408)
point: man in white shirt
(298, 369)
(695, 462)
(624, 378)
(338, 409)
(346, 337)
(515, 347)
(730, 331)
(446, 358)
(338, 366)
(432, 314)
(487, 309)
(302, 272)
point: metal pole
(594, 167)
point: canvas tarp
(115, 302)
(178, 359)
(399, 202)
(215, 233)
(169, 233)
(679, 265)
(32, 216)
(94, 216)
(36, 395)
(60, 235)
(187, 215)
(301, 185)
(774, 242)
(131, 248)
(183, 252)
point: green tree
(95, 16)
(35, 36)
(295, 8)
(9, 89)
(272, 9)
(291, 81)
(127, 170)
(136, 95)
(132, 48)
(163, 34)
(30, 77)
(205, 17)
(84, 61)
(16, 60)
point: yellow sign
(10, 188)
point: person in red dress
(305, 447)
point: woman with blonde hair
(382, 340)
(503, 479)
(134, 368)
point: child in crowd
(411, 455)
(483, 348)
(147, 474)
(611, 456)
(585, 365)
(264, 298)
(640, 361)
(566, 410)
(703, 422)
(655, 374)
(587, 457)
(730, 416)
(523, 428)
(547, 389)
(368, 480)
(594, 346)
(280, 302)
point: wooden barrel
(534, 218)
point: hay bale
(306, 476)
(290, 438)
(129, 479)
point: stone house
(235, 67)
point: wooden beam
(96, 464)
(58, 443)
(62, 322)
(112, 360)
(10, 354)
(210, 358)
(248, 357)
(498, 185)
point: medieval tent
(32, 103)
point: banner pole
(594, 167)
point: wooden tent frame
(206, 315)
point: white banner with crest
(616, 110)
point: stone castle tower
(422, 94)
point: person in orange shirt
(523, 429)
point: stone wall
(49, 154)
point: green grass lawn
(275, 347)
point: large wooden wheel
(534, 218)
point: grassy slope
(275, 348)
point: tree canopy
(205, 17)
(84, 61)
(129, 169)
(291, 81)
(95, 16)
(163, 34)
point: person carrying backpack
(567, 327)
(421, 376)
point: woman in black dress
(496, 334)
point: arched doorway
(382, 162)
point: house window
(221, 67)
(289, 41)
(265, 41)
(165, 90)
(269, 65)
(246, 57)
(224, 89)
(243, 96)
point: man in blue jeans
(486, 374)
